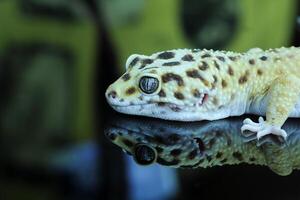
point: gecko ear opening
(132, 60)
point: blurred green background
(58, 56)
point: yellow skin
(194, 85)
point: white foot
(262, 128)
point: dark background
(58, 57)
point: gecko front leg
(284, 94)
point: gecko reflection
(204, 144)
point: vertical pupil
(149, 84)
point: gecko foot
(262, 128)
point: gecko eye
(148, 84)
(144, 154)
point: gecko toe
(249, 127)
(249, 121)
(262, 128)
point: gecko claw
(262, 128)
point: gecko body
(194, 85)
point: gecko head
(161, 86)
(151, 141)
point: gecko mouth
(202, 100)
(173, 106)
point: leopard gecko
(201, 84)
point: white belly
(259, 107)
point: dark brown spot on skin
(215, 78)
(203, 66)
(230, 71)
(193, 73)
(145, 62)
(192, 154)
(252, 159)
(215, 101)
(178, 95)
(259, 72)
(172, 77)
(175, 109)
(252, 97)
(209, 158)
(200, 143)
(219, 154)
(277, 59)
(196, 93)
(188, 57)
(134, 61)
(251, 61)
(263, 58)
(176, 152)
(153, 71)
(211, 142)
(166, 55)
(232, 58)
(130, 91)
(126, 77)
(243, 79)
(207, 55)
(161, 104)
(229, 141)
(219, 134)
(128, 142)
(213, 85)
(171, 64)
(224, 84)
(162, 93)
(238, 156)
(216, 65)
(221, 58)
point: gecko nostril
(112, 94)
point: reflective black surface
(211, 160)
(204, 144)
